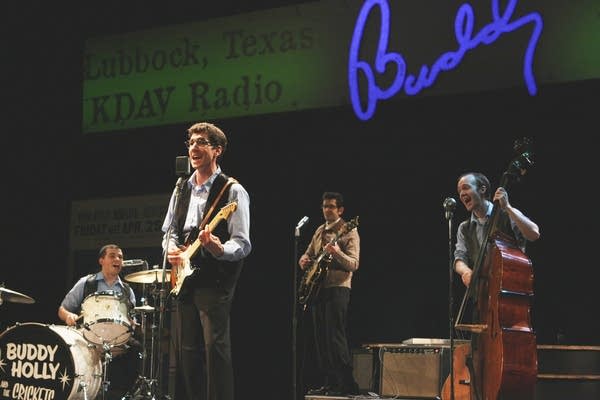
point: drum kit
(67, 362)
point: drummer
(110, 259)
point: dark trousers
(329, 313)
(205, 353)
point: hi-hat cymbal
(14, 297)
(149, 276)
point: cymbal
(149, 276)
(144, 308)
(14, 297)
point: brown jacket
(343, 265)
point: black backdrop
(394, 170)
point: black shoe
(353, 389)
(323, 390)
(343, 391)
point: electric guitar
(315, 273)
(186, 269)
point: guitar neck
(195, 246)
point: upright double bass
(502, 363)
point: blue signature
(463, 31)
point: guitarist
(330, 306)
(203, 306)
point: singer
(474, 192)
(329, 309)
(204, 302)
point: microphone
(133, 263)
(449, 206)
(299, 225)
(182, 170)
(182, 166)
(302, 222)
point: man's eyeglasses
(329, 206)
(201, 142)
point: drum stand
(106, 359)
(145, 388)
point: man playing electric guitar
(329, 307)
(204, 301)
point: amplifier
(413, 370)
(365, 369)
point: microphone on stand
(301, 224)
(133, 263)
(182, 165)
(449, 207)
(182, 169)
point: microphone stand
(295, 305)
(449, 214)
(177, 192)
(294, 312)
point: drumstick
(78, 320)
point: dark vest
(209, 272)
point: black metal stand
(106, 359)
(163, 291)
(449, 214)
(145, 388)
(295, 307)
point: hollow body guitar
(315, 273)
(185, 269)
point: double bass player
(474, 193)
(490, 258)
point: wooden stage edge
(358, 397)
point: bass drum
(41, 361)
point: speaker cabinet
(364, 365)
(413, 371)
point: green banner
(296, 58)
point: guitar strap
(229, 182)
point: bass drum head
(39, 361)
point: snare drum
(106, 318)
(48, 362)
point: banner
(333, 53)
(130, 222)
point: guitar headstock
(350, 225)
(523, 159)
(227, 210)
